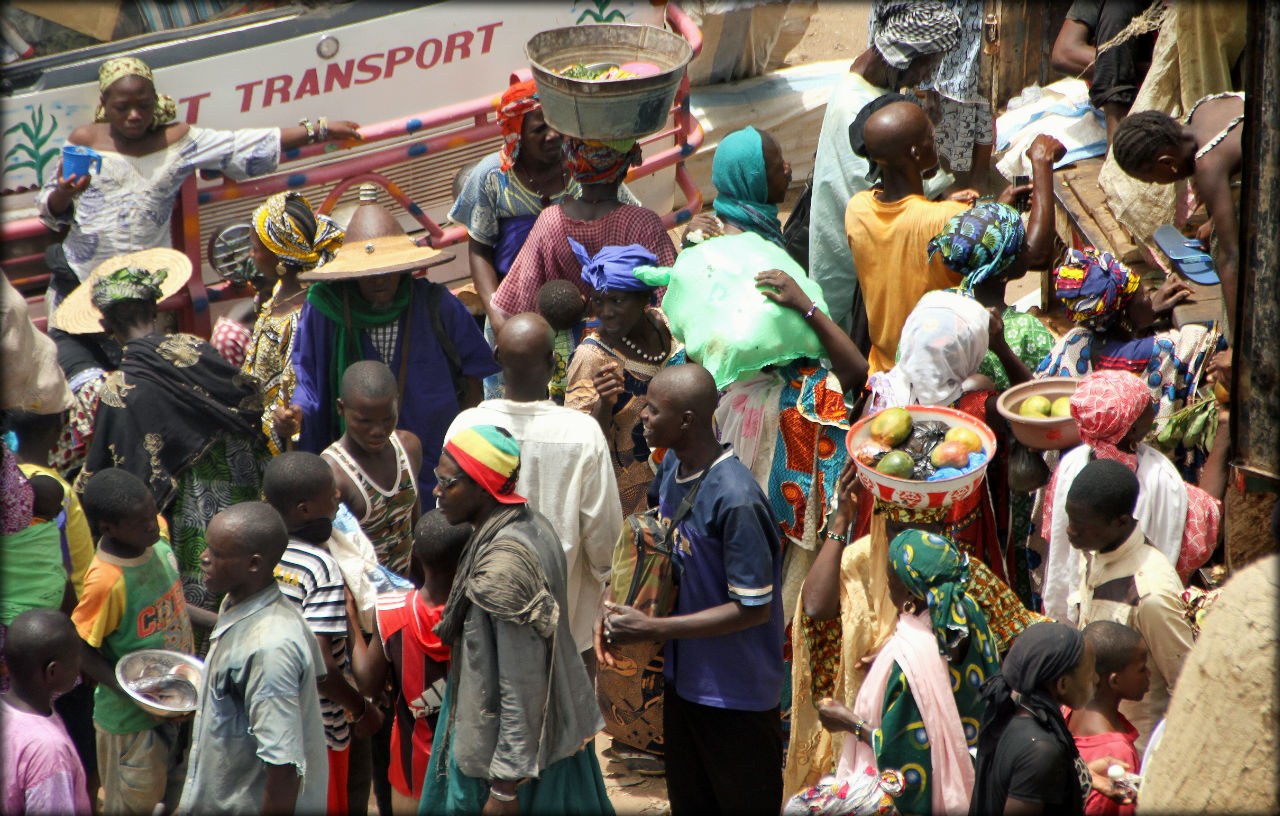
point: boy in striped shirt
(301, 488)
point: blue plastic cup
(77, 159)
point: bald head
(892, 131)
(688, 387)
(255, 527)
(526, 336)
(37, 637)
(525, 350)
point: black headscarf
(1041, 654)
(859, 122)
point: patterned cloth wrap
(128, 283)
(866, 794)
(281, 233)
(1094, 287)
(166, 109)
(937, 572)
(902, 30)
(980, 242)
(610, 269)
(517, 100)
(594, 162)
(1105, 405)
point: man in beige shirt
(1128, 581)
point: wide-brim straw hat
(77, 314)
(375, 256)
(375, 244)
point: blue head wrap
(980, 242)
(742, 186)
(612, 266)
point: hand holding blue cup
(77, 159)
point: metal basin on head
(608, 109)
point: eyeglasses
(446, 482)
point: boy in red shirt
(411, 655)
(1099, 728)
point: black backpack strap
(434, 293)
(685, 507)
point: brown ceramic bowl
(1037, 433)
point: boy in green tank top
(132, 600)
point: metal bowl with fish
(161, 682)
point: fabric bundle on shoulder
(723, 319)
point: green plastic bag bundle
(724, 320)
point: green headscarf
(741, 180)
(935, 571)
(351, 314)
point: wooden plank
(1205, 305)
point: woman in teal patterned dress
(918, 709)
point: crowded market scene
(665, 407)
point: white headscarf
(942, 344)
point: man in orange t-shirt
(889, 227)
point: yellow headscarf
(121, 67)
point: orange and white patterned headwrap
(518, 100)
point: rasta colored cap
(490, 456)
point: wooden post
(1255, 387)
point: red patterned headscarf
(518, 100)
(595, 162)
(1105, 406)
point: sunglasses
(446, 482)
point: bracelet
(857, 729)
(812, 309)
(322, 127)
(837, 537)
(502, 797)
(311, 131)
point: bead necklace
(646, 357)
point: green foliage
(37, 156)
(598, 15)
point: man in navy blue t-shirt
(722, 728)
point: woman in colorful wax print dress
(918, 708)
(288, 238)
(175, 414)
(610, 371)
(1115, 319)
(146, 157)
(847, 614)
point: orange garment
(888, 245)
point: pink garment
(41, 770)
(547, 256)
(1200, 534)
(1105, 406)
(914, 648)
(231, 339)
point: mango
(965, 436)
(1061, 407)
(900, 464)
(1037, 406)
(891, 426)
(950, 454)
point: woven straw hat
(77, 314)
(376, 244)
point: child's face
(1133, 681)
(138, 530)
(1088, 531)
(370, 422)
(1075, 689)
